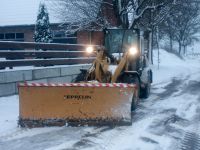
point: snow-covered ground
(167, 120)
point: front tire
(145, 92)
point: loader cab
(120, 40)
(137, 70)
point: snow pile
(112, 68)
(170, 66)
(9, 110)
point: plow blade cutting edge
(75, 104)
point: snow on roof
(21, 12)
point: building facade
(24, 31)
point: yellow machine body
(107, 101)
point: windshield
(119, 41)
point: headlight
(89, 49)
(133, 51)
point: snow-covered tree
(78, 15)
(143, 13)
(42, 28)
(183, 23)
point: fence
(42, 54)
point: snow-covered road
(168, 119)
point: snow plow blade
(75, 104)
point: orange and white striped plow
(75, 104)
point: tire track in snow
(143, 111)
(191, 140)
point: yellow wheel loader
(105, 94)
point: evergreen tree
(42, 27)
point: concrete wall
(10, 79)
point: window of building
(10, 36)
(1, 36)
(58, 34)
(19, 35)
(65, 40)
